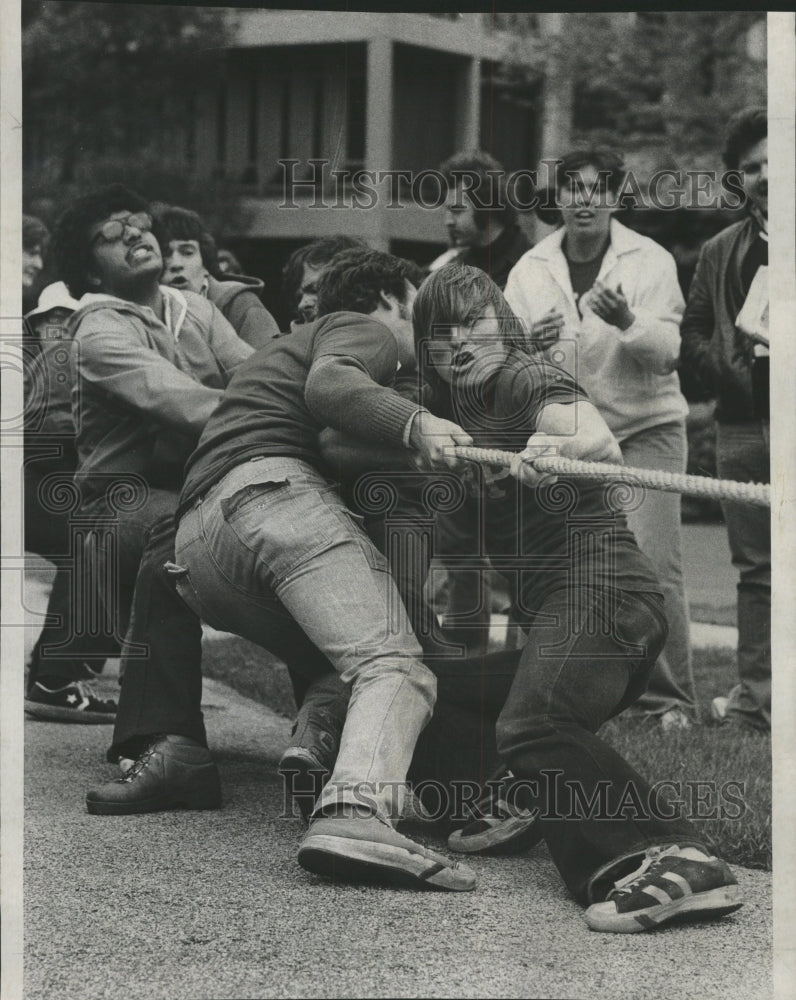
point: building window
(317, 118)
(190, 130)
(252, 132)
(221, 131)
(285, 105)
(356, 111)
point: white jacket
(629, 375)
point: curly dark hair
(71, 248)
(607, 162)
(487, 184)
(317, 254)
(355, 279)
(170, 222)
(744, 130)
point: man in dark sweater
(481, 221)
(724, 332)
(267, 549)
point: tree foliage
(669, 79)
(106, 88)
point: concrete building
(335, 93)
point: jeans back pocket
(252, 496)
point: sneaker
(305, 769)
(672, 883)
(75, 702)
(498, 826)
(718, 708)
(673, 720)
(368, 848)
(173, 772)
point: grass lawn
(722, 777)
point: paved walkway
(199, 906)
(209, 905)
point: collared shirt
(629, 374)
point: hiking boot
(673, 883)
(368, 848)
(75, 702)
(497, 826)
(306, 768)
(173, 772)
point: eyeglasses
(113, 229)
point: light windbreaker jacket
(143, 388)
(629, 375)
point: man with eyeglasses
(149, 366)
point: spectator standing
(61, 661)
(604, 302)
(35, 238)
(724, 333)
(480, 219)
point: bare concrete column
(558, 90)
(468, 110)
(379, 126)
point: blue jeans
(656, 525)
(272, 549)
(742, 453)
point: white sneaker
(718, 708)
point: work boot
(173, 772)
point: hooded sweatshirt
(237, 297)
(145, 387)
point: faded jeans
(272, 551)
(742, 453)
(656, 525)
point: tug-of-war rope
(757, 494)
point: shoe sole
(299, 770)
(510, 836)
(99, 808)
(704, 905)
(53, 713)
(339, 858)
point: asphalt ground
(195, 905)
(213, 905)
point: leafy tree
(666, 79)
(107, 91)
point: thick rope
(758, 494)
